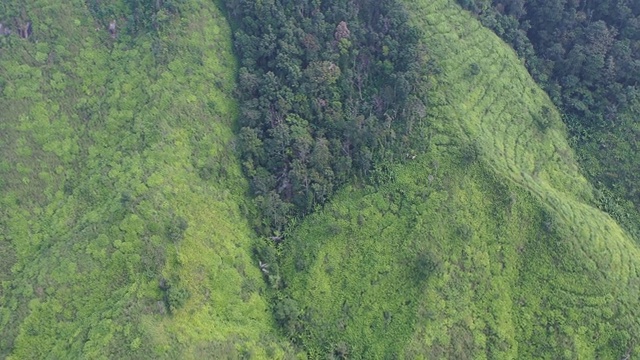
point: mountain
(135, 222)
(486, 245)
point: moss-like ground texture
(122, 209)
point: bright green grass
(104, 145)
(485, 246)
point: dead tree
(112, 29)
(342, 31)
(264, 267)
(24, 30)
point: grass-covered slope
(484, 246)
(122, 211)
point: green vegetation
(122, 214)
(327, 92)
(584, 54)
(414, 188)
(486, 246)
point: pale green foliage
(104, 144)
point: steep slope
(122, 208)
(486, 246)
(581, 53)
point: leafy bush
(287, 314)
(176, 228)
(174, 296)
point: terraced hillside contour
(515, 130)
(486, 246)
(123, 229)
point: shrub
(174, 296)
(287, 315)
(176, 228)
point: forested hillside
(485, 246)
(328, 95)
(317, 179)
(585, 55)
(123, 216)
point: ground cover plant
(122, 214)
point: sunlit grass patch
(123, 205)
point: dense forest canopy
(584, 52)
(328, 92)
